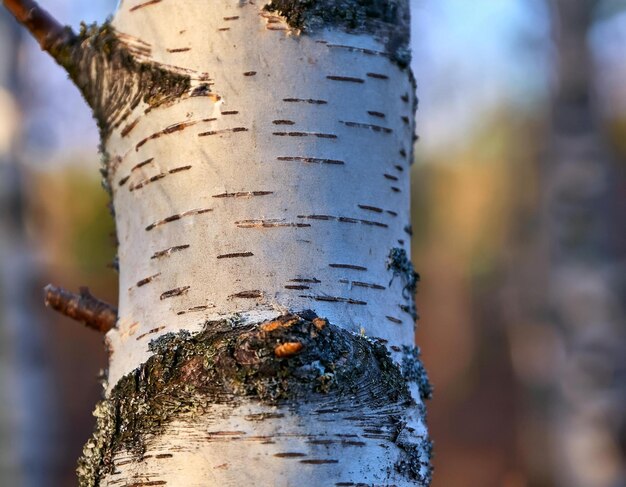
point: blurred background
(519, 218)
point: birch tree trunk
(257, 156)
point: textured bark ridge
(387, 20)
(110, 77)
(295, 364)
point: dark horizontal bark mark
(145, 182)
(283, 122)
(195, 309)
(371, 208)
(333, 299)
(305, 134)
(142, 164)
(343, 219)
(179, 49)
(150, 332)
(226, 433)
(391, 177)
(375, 128)
(348, 79)
(234, 255)
(394, 320)
(223, 131)
(312, 160)
(376, 114)
(290, 455)
(263, 416)
(363, 50)
(149, 482)
(128, 128)
(249, 73)
(147, 280)
(230, 112)
(145, 4)
(179, 291)
(395, 189)
(157, 177)
(377, 76)
(247, 294)
(177, 127)
(243, 194)
(348, 266)
(179, 169)
(305, 100)
(362, 284)
(318, 462)
(169, 251)
(234, 17)
(178, 216)
(297, 287)
(269, 224)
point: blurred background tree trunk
(586, 271)
(28, 414)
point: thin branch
(43, 26)
(83, 307)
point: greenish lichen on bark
(387, 20)
(293, 359)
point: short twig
(43, 26)
(83, 307)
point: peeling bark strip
(83, 307)
(293, 362)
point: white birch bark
(290, 192)
(275, 182)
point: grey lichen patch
(387, 20)
(401, 266)
(111, 79)
(414, 371)
(293, 360)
